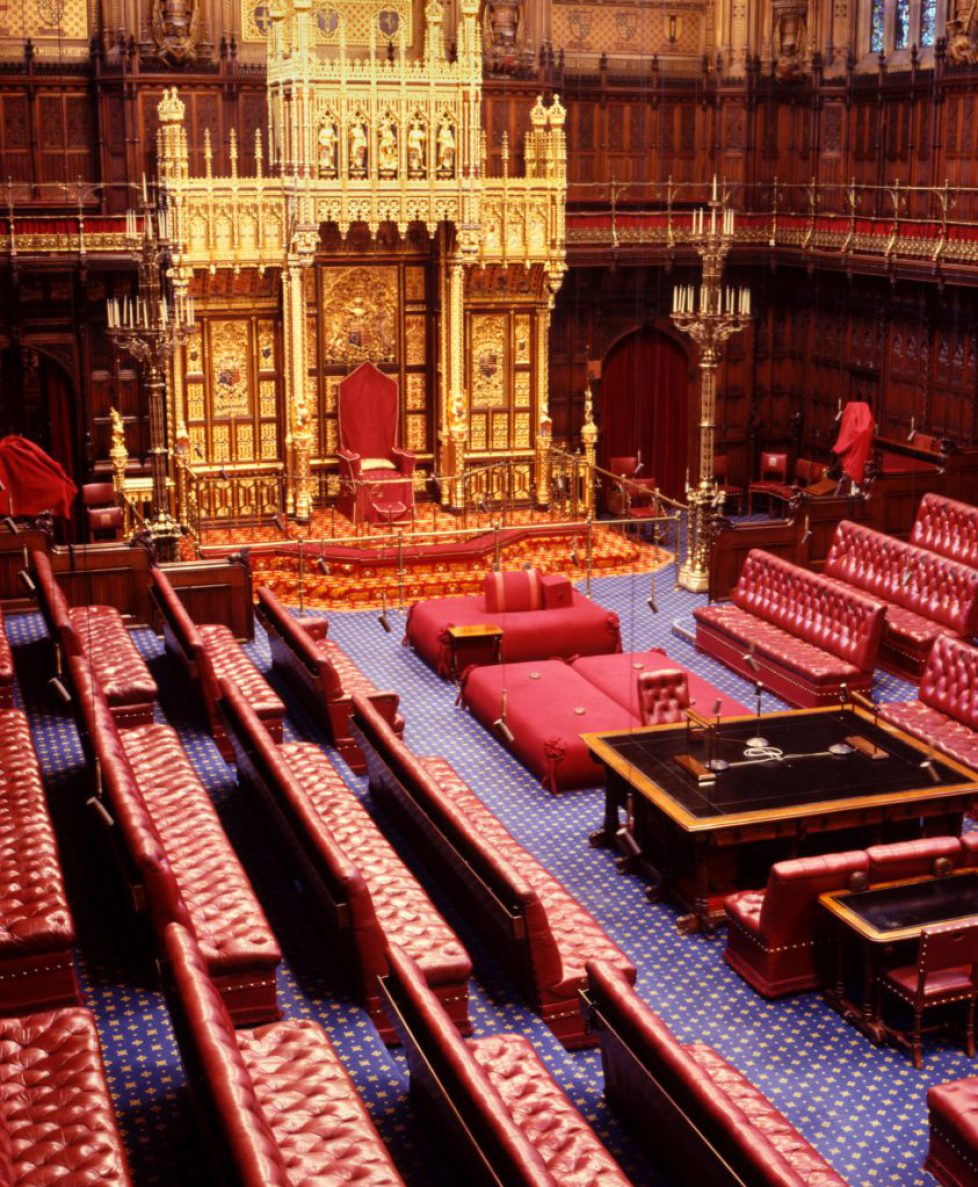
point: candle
(146, 194)
(714, 187)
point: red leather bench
(372, 899)
(6, 668)
(722, 1132)
(99, 634)
(36, 929)
(925, 594)
(945, 712)
(277, 1099)
(549, 704)
(178, 860)
(952, 1155)
(56, 1119)
(807, 636)
(206, 655)
(492, 1099)
(322, 674)
(539, 620)
(778, 938)
(538, 930)
(947, 527)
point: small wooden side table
(479, 643)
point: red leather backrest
(301, 638)
(950, 680)
(918, 580)
(256, 751)
(175, 612)
(811, 607)
(911, 859)
(143, 844)
(662, 696)
(513, 591)
(207, 1025)
(948, 527)
(52, 602)
(446, 1067)
(791, 899)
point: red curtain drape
(59, 418)
(644, 406)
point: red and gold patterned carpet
(357, 583)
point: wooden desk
(700, 839)
(876, 921)
(478, 643)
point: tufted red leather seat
(945, 712)
(278, 1098)
(536, 928)
(721, 1128)
(493, 1099)
(206, 655)
(6, 668)
(36, 929)
(178, 859)
(778, 938)
(374, 898)
(925, 594)
(808, 635)
(99, 634)
(322, 674)
(617, 676)
(56, 1116)
(531, 632)
(952, 1156)
(947, 527)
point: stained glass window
(928, 14)
(901, 25)
(876, 25)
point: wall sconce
(672, 28)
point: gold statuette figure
(416, 145)
(387, 149)
(446, 148)
(327, 148)
(358, 147)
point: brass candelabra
(150, 327)
(709, 315)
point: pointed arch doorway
(36, 401)
(645, 406)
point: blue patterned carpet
(862, 1107)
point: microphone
(382, 616)
(913, 429)
(27, 581)
(758, 742)
(93, 802)
(323, 566)
(3, 485)
(11, 525)
(500, 722)
(574, 555)
(750, 659)
(198, 451)
(279, 521)
(640, 465)
(838, 412)
(223, 475)
(60, 689)
(808, 530)
(650, 601)
(717, 706)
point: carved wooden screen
(370, 312)
(501, 354)
(232, 409)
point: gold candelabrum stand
(709, 315)
(150, 327)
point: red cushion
(617, 677)
(557, 591)
(515, 591)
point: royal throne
(376, 484)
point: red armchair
(626, 494)
(376, 476)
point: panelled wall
(816, 335)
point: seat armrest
(404, 461)
(349, 462)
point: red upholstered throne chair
(376, 484)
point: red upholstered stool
(391, 513)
